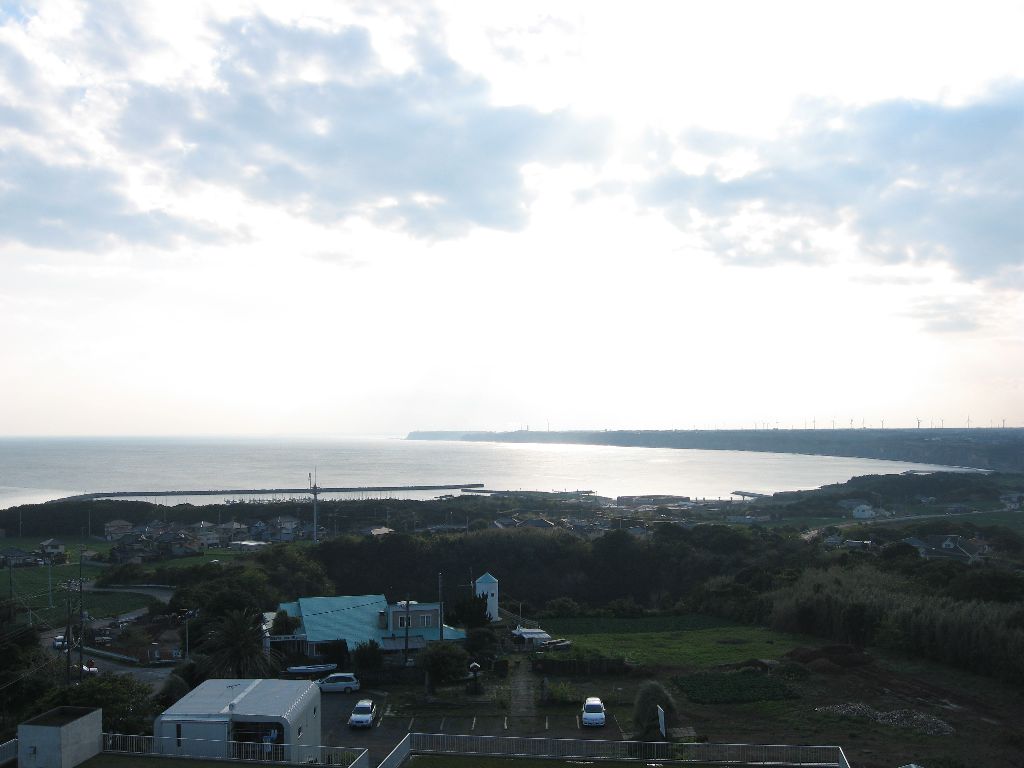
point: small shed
(60, 738)
(487, 586)
(528, 637)
(254, 719)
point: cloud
(306, 119)
(913, 182)
(75, 207)
(947, 315)
(309, 120)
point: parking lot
(391, 728)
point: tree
(234, 647)
(444, 662)
(649, 696)
(471, 612)
(481, 642)
(336, 652)
(284, 624)
(368, 656)
(560, 607)
(127, 704)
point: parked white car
(364, 715)
(339, 682)
(593, 712)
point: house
(178, 544)
(536, 522)
(833, 542)
(851, 504)
(15, 558)
(115, 529)
(206, 533)
(280, 718)
(863, 512)
(950, 547)
(852, 544)
(358, 619)
(229, 532)
(51, 548)
(133, 548)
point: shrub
(649, 697)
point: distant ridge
(992, 449)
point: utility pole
(316, 492)
(405, 659)
(81, 612)
(440, 606)
(67, 638)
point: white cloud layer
(324, 217)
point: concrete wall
(199, 738)
(308, 720)
(61, 738)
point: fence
(511, 746)
(251, 751)
(399, 754)
(8, 751)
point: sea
(34, 470)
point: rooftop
(251, 698)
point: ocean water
(39, 469)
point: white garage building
(243, 719)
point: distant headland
(996, 449)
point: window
(177, 730)
(403, 622)
(426, 620)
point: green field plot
(71, 544)
(98, 605)
(590, 625)
(221, 555)
(742, 686)
(37, 579)
(689, 648)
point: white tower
(487, 586)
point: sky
(330, 218)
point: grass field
(223, 555)
(674, 641)
(36, 579)
(71, 544)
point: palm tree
(234, 647)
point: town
(702, 608)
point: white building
(254, 719)
(864, 512)
(487, 586)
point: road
(815, 532)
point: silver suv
(343, 682)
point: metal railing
(736, 754)
(399, 754)
(8, 751)
(249, 751)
